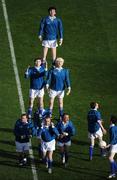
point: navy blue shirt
(93, 117)
(113, 134)
(50, 29)
(67, 128)
(22, 131)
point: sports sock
(49, 163)
(112, 164)
(90, 152)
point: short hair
(23, 114)
(52, 7)
(92, 105)
(113, 119)
(59, 59)
(38, 58)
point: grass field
(89, 50)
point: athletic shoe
(111, 176)
(24, 161)
(63, 160)
(49, 170)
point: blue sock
(30, 111)
(115, 166)
(66, 157)
(49, 163)
(112, 167)
(62, 155)
(90, 152)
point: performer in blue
(23, 131)
(48, 133)
(37, 76)
(66, 130)
(51, 29)
(57, 80)
(95, 127)
(113, 146)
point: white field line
(18, 83)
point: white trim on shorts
(60, 144)
(53, 94)
(50, 43)
(48, 146)
(98, 134)
(21, 147)
(33, 93)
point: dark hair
(92, 105)
(113, 119)
(24, 114)
(37, 59)
(50, 8)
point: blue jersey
(22, 131)
(93, 117)
(68, 128)
(47, 134)
(113, 134)
(58, 79)
(50, 29)
(36, 76)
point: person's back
(93, 117)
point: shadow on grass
(10, 142)
(9, 130)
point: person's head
(59, 62)
(113, 119)
(94, 105)
(38, 62)
(47, 121)
(24, 118)
(65, 118)
(52, 11)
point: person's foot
(111, 176)
(49, 170)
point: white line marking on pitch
(18, 83)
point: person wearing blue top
(113, 146)
(37, 76)
(67, 130)
(51, 29)
(95, 127)
(57, 80)
(48, 133)
(23, 131)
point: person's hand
(40, 38)
(60, 42)
(65, 134)
(68, 91)
(47, 88)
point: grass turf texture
(89, 50)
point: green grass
(89, 50)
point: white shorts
(98, 134)
(21, 147)
(36, 93)
(60, 144)
(53, 94)
(48, 146)
(50, 43)
(113, 148)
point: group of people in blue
(39, 123)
